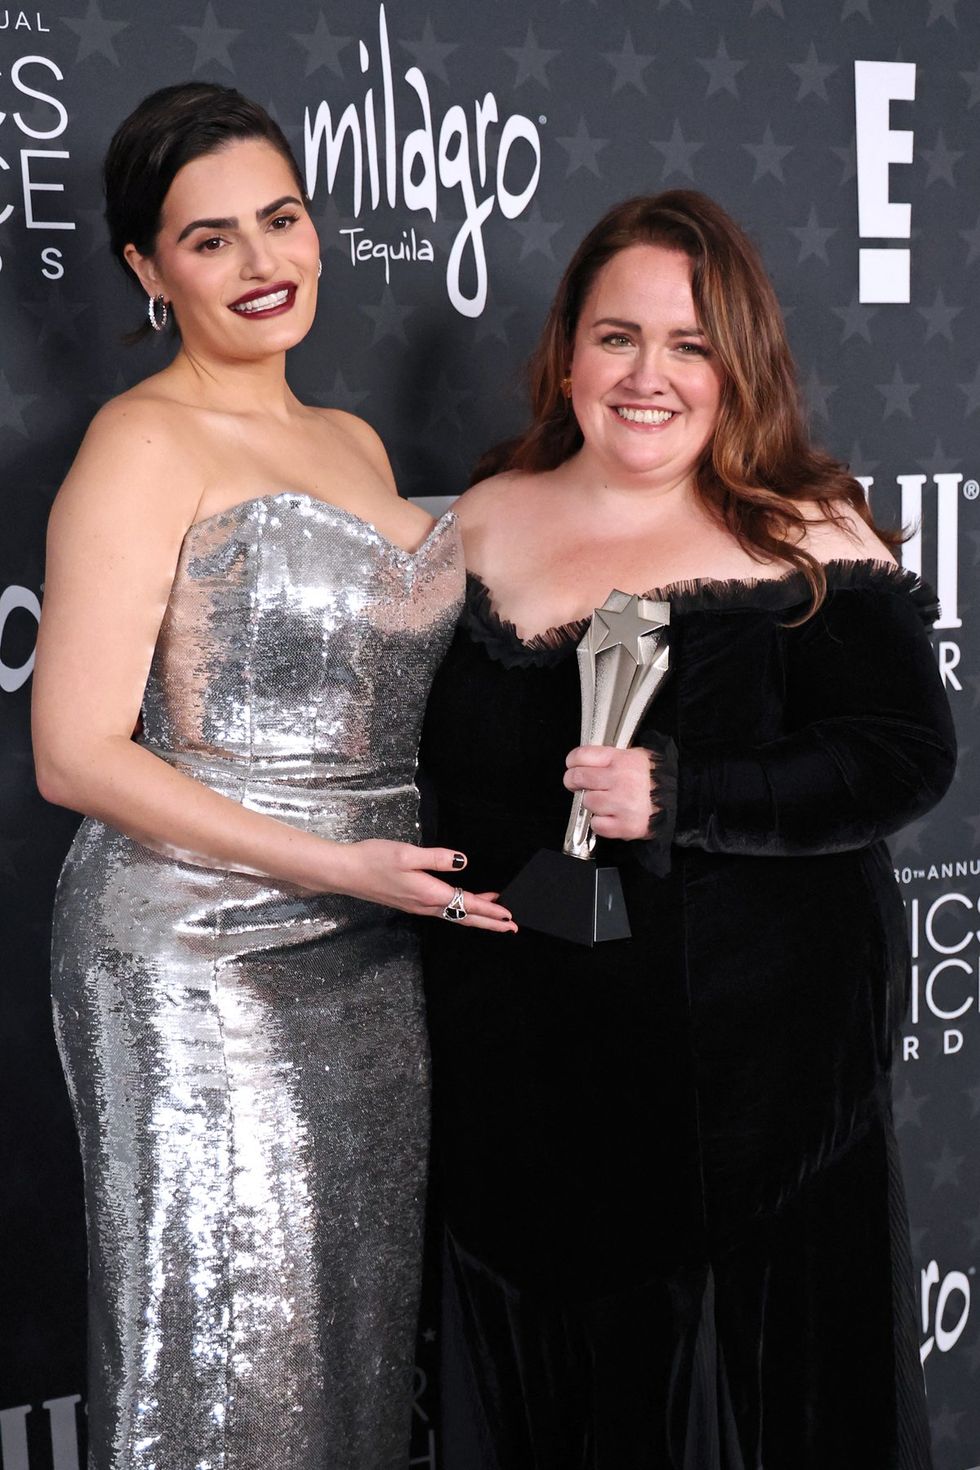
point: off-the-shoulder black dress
(666, 1166)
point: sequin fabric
(247, 1061)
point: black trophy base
(569, 898)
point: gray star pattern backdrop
(426, 317)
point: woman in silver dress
(235, 983)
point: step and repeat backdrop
(454, 156)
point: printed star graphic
(909, 839)
(848, 157)
(212, 41)
(944, 1424)
(858, 463)
(95, 34)
(813, 75)
(531, 60)
(678, 153)
(329, 221)
(582, 150)
(973, 680)
(972, 238)
(973, 79)
(943, 10)
(855, 318)
(938, 317)
(939, 462)
(624, 628)
(57, 317)
(945, 1169)
(722, 70)
(536, 233)
(322, 47)
(973, 1093)
(855, 7)
(341, 395)
(629, 66)
(906, 1109)
(493, 322)
(817, 396)
(94, 222)
(768, 156)
(446, 400)
(813, 237)
(429, 54)
(776, 6)
(897, 394)
(972, 393)
(389, 318)
(941, 161)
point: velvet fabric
(665, 1167)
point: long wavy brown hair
(759, 459)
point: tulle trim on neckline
(775, 594)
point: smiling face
(646, 384)
(236, 254)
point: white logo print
(455, 154)
(884, 273)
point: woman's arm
(113, 543)
(872, 748)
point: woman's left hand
(617, 787)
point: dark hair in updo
(167, 130)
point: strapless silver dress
(247, 1061)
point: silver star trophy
(622, 660)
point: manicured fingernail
(459, 860)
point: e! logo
(884, 273)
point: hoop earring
(151, 312)
(566, 387)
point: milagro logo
(945, 1304)
(934, 504)
(32, 118)
(454, 154)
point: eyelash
(687, 349)
(203, 247)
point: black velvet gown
(666, 1167)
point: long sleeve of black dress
(868, 746)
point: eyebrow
(612, 321)
(231, 222)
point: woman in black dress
(667, 1170)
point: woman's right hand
(402, 876)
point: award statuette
(622, 660)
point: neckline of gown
(697, 594)
(329, 507)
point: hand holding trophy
(622, 660)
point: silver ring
(455, 909)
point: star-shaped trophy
(622, 660)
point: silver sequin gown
(247, 1061)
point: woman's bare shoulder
(137, 454)
(845, 536)
(500, 494)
